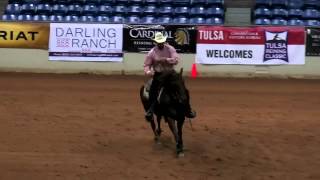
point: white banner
(244, 54)
(252, 45)
(86, 42)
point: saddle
(146, 90)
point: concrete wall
(31, 60)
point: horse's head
(173, 88)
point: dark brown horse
(171, 105)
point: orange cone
(194, 72)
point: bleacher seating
(43, 9)
(295, 13)
(102, 19)
(117, 11)
(279, 3)
(165, 20)
(90, 10)
(214, 21)
(296, 22)
(105, 10)
(105, 2)
(198, 2)
(10, 17)
(180, 20)
(181, 10)
(262, 21)
(198, 11)
(181, 2)
(135, 9)
(215, 2)
(262, 12)
(165, 10)
(56, 18)
(71, 18)
(118, 19)
(148, 19)
(40, 18)
(134, 19)
(197, 20)
(87, 18)
(295, 4)
(215, 12)
(150, 10)
(12, 9)
(59, 9)
(151, 1)
(25, 17)
(92, 2)
(312, 23)
(74, 9)
(279, 22)
(287, 12)
(140, 2)
(120, 9)
(28, 9)
(312, 4)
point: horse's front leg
(180, 150)
(175, 132)
(153, 127)
(159, 130)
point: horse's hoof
(157, 140)
(180, 154)
(159, 131)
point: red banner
(247, 35)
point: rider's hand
(149, 73)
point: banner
(86, 42)
(24, 35)
(313, 41)
(138, 38)
(250, 45)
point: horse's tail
(143, 99)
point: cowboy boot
(149, 113)
(189, 112)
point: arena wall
(32, 60)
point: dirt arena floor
(89, 127)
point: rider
(162, 57)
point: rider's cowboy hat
(159, 38)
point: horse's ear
(181, 71)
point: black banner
(138, 38)
(313, 42)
